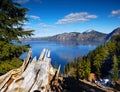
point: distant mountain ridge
(114, 32)
(89, 36)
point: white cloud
(34, 17)
(21, 1)
(115, 13)
(76, 17)
(43, 25)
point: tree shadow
(72, 85)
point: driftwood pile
(33, 75)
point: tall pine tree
(115, 69)
(12, 18)
(98, 64)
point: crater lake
(61, 52)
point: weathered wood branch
(32, 75)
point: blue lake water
(61, 52)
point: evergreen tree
(87, 69)
(81, 68)
(115, 69)
(77, 67)
(12, 18)
(99, 61)
(98, 64)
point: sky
(51, 17)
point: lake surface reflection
(61, 52)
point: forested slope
(99, 61)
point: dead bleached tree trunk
(32, 75)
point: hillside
(114, 32)
(103, 62)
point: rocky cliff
(33, 75)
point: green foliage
(9, 51)
(79, 68)
(98, 64)
(9, 54)
(68, 67)
(83, 68)
(12, 18)
(115, 39)
(115, 69)
(98, 61)
(8, 65)
(88, 69)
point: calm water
(61, 52)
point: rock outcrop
(34, 75)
